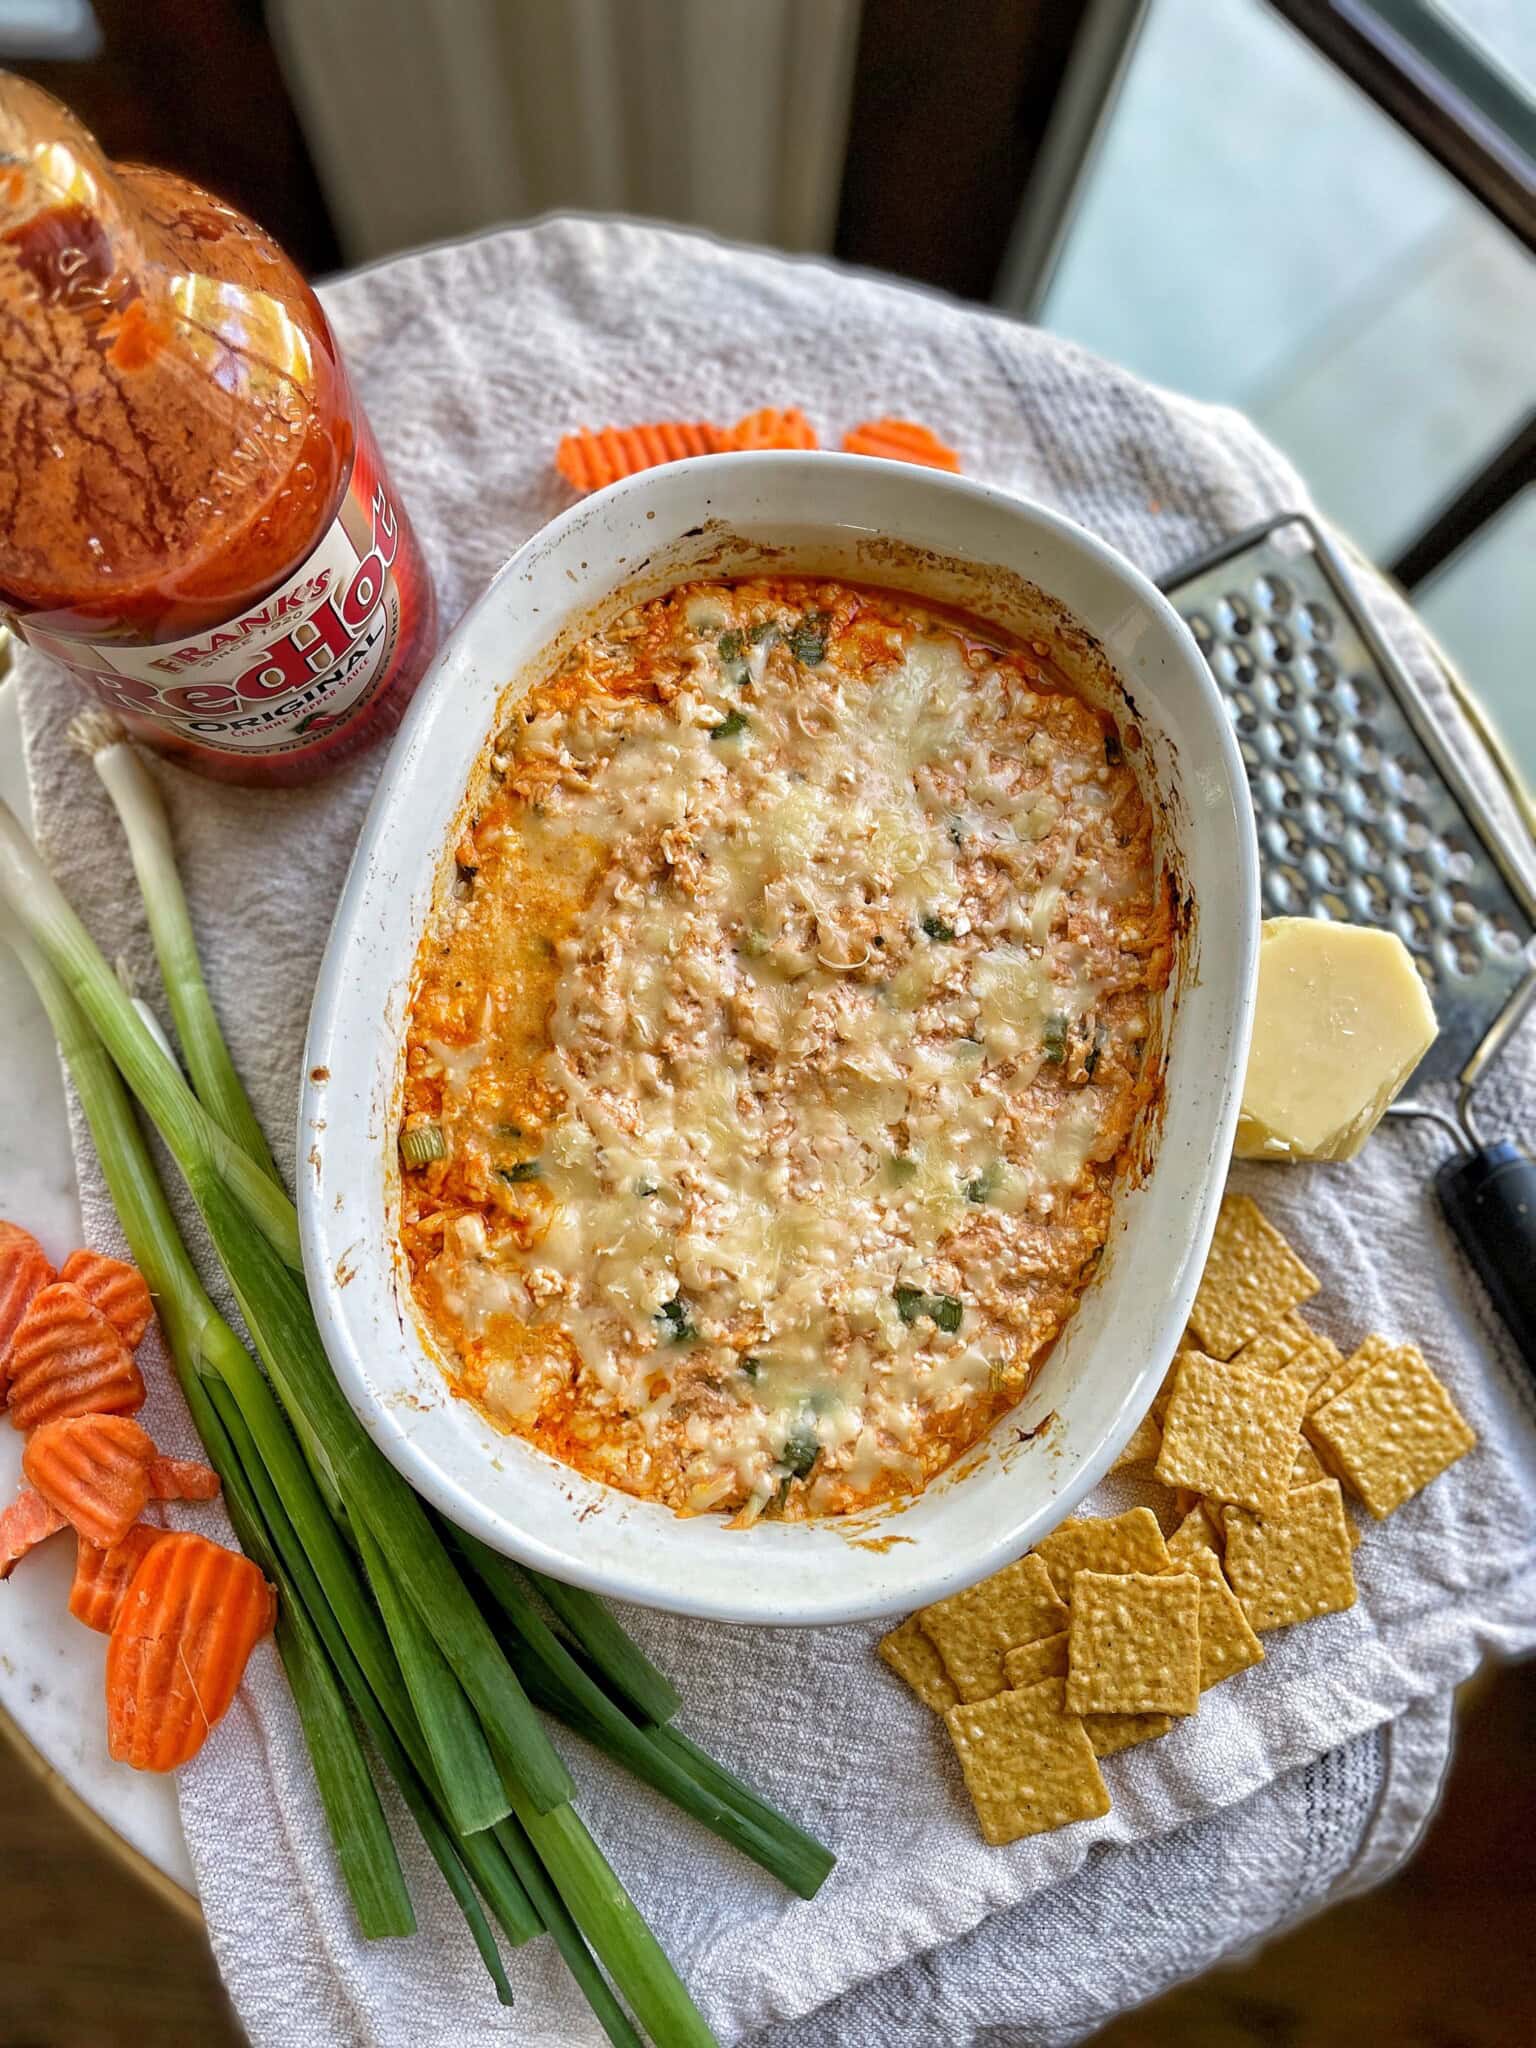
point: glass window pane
(1482, 606)
(1255, 231)
(1503, 31)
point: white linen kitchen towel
(472, 360)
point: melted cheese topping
(786, 1025)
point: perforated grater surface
(1364, 815)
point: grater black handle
(1489, 1198)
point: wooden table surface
(1443, 1957)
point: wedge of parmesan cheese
(1342, 1021)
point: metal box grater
(1363, 813)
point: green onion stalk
(315, 1646)
(380, 1628)
(593, 1896)
(202, 1148)
(263, 1274)
(622, 1663)
(137, 801)
(559, 1680)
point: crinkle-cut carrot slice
(95, 1470)
(900, 441)
(773, 427)
(66, 1359)
(588, 460)
(191, 1616)
(116, 1288)
(28, 1521)
(24, 1269)
(182, 1479)
(102, 1576)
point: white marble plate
(51, 1667)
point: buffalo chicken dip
(776, 1044)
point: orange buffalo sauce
(194, 519)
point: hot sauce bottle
(194, 518)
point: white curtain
(429, 118)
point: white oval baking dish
(936, 536)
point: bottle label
(283, 675)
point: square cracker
(1134, 1643)
(1293, 1564)
(1310, 1368)
(1392, 1430)
(1198, 1531)
(1369, 1351)
(1160, 1398)
(1170, 1379)
(1108, 1734)
(1277, 1345)
(1227, 1641)
(1309, 1467)
(1130, 1542)
(1307, 1470)
(1348, 1370)
(1032, 1661)
(1252, 1278)
(913, 1657)
(1028, 1765)
(1141, 1446)
(1230, 1432)
(971, 1629)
